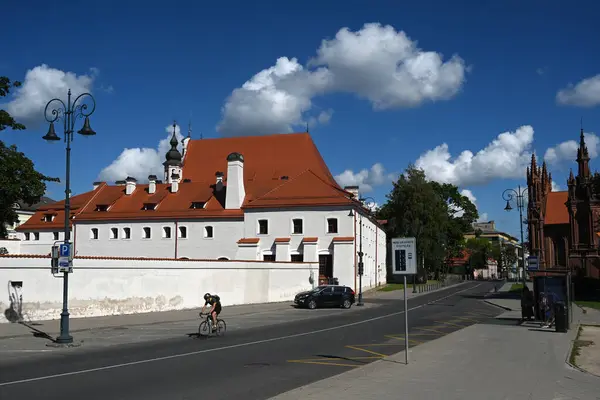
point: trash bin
(560, 317)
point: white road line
(193, 353)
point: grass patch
(577, 346)
(516, 287)
(589, 304)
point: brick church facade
(564, 227)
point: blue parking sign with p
(65, 250)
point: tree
(505, 255)
(429, 212)
(19, 181)
(480, 249)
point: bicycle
(205, 327)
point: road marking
(323, 363)
(233, 346)
(401, 337)
(433, 330)
(469, 319)
(325, 359)
(479, 314)
(451, 324)
(423, 334)
(368, 351)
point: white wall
(100, 287)
(41, 244)
(196, 245)
(374, 252)
(13, 246)
(22, 216)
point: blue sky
(150, 63)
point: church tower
(173, 162)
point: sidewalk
(483, 361)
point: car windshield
(318, 289)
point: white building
(267, 198)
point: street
(254, 363)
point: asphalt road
(251, 364)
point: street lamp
(361, 265)
(519, 195)
(68, 113)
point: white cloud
(323, 118)
(586, 93)
(377, 63)
(42, 84)
(365, 179)
(567, 151)
(141, 162)
(469, 195)
(555, 187)
(506, 157)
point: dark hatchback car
(326, 296)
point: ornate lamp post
(517, 195)
(361, 265)
(68, 113)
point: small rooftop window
(197, 204)
(102, 207)
(149, 207)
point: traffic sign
(533, 263)
(404, 260)
(64, 250)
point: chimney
(130, 185)
(353, 190)
(174, 183)
(219, 185)
(234, 197)
(152, 184)
(96, 184)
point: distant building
(564, 227)
(267, 198)
(24, 212)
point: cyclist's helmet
(206, 296)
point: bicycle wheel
(221, 327)
(203, 329)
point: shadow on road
(38, 333)
(342, 358)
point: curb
(374, 291)
(571, 345)
(499, 306)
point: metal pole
(360, 265)
(65, 337)
(521, 205)
(405, 324)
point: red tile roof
(556, 210)
(279, 171)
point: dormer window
(48, 217)
(149, 207)
(197, 204)
(102, 207)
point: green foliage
(430, 212)
(19, 181)
(6, 121)
(505, 255)
(480, 250)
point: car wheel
(312, 304)
(347, 304)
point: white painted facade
(99, 287)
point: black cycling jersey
(212, 300)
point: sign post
(404, 262)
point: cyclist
(215, 302)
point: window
(332, 225)
(222, 259)
(208, 232)
(269, 257)
(36, 236)
(263, 227)
(146, 232)
(166, 232)
(114, 233)
(27, 236)
(297, 257)
(183, 232)
(149, 206)
(48, 218)
(197, 204)
(297, 226)
(126, 233)
(102, 207)
(55, 235)
(94, 233)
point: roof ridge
(250, 136)
(99, 189)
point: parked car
(326, 296)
